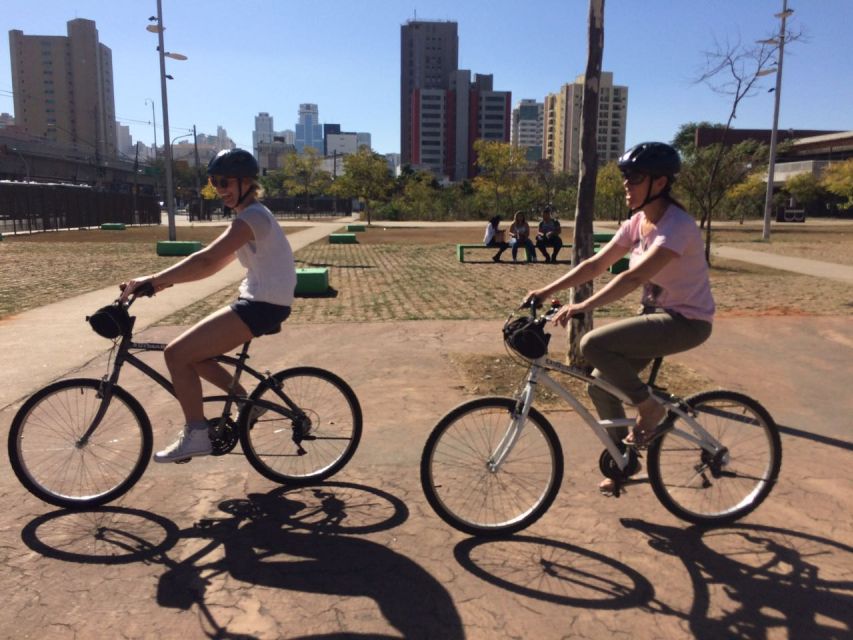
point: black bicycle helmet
(233, 163)
(652, 158)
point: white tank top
(270, 269)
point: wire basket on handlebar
(114, 320)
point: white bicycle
(493, 466)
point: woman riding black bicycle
(667, 260)
(255, 238)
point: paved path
(805, 266)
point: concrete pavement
(211, 549)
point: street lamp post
(154, 119)
(158, 29)
(171, 150)
(768, 201)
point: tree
(609, 193)
(366, 177)
(501, 167)
(582, 241)
(734, 71)
(806, 189)
(838, 180)
(303, 175)
(710, 172)
(746, 198)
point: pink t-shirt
(682, 285)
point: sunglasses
(634, 178)
(219, 181)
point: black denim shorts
(262, 318)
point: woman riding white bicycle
(667, 260)
(256, 239)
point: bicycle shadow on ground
(796, 432)
(772, 578)
(299, 539)
(554, 571)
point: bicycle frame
(538, 373)
(239, 363)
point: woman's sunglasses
(634, 178)
(220, 182)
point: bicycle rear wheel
(702, 488)
(472, 497)
(52, 461)
(328, 427)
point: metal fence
(28, 207)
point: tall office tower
(309, 131)
(429, 54)
(63, 87)
(527, 131)
(263, 132)
(562, 134)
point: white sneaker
(191, 442)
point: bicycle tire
(470, 497)
(692, 485)
(48, 459)
(334, 435)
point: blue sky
(272, 55)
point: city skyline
(352, 72)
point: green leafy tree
(609, 193)
(806, 189)
(304, 176)
(366, 177)
(746, 198)
(838, 180)
(500, 179)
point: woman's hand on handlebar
(565, 314)
(144, 286)
(534, 298)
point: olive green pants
(620, 350)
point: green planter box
(342, 238)
(113, 226)
(602, 237)
(356, 227)
(312, 280)
(177, 247)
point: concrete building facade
(527, 127)
(429, 54)
(562, 115)
(263, 132)
(309, 131)
(63, 88)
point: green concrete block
(602, 237)
(619, 266)
(342, 238)
(312, 280)
(356, 227)
(113, 226)
(177, 247)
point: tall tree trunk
(588, 172)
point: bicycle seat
(273, 331)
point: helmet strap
(651, 198)
(240, 191)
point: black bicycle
(82, 442)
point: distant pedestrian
(495, 237)
(549, 234)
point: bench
(312, 280)
(177, 247)
(462, 248)
(602, 238)
(113, 226)
(356, 227)
(342, 238)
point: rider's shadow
(263, 548)
(776, 577)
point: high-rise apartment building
(263, 132)
(63, 88)
(527, 130)
(309, 131)
(429, 54)
(562, 115)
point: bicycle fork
(519, 417)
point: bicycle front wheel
(709, 489)
(468, 490)
(306, 437)
(56, 464)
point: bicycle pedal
(183, 460)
